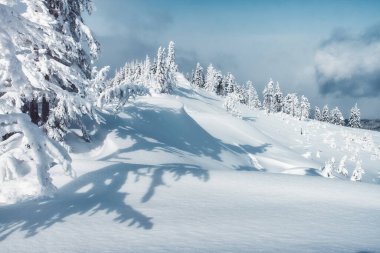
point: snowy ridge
(199, 166)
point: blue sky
(302, 44)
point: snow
(177, 173)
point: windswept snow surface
(176, 173)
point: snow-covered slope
(176, 173)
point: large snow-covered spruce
(46, 56)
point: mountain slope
(176, 173)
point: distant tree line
(274, 101)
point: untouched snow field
(177, 173)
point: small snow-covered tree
(317, 114)
(198, 79)
(278, 99)
(253, 98)
(231, 103)
(99, 81)
(146, 78)
(354, 120)
(291, 105)
(219, 88)
(304, 108)
(336, 117)
(357, 174)
(210, 84)
(163, 84)
(171, 65)
(230, 83)
(241, 93)
(170, 58)
(268, 94)
(342, 167)
(325, 114)
(328, 169)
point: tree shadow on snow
(101, 190)
(154, 128)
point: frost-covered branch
(120, 94)
(27, 154)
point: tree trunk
(45, 110)
(33, 111)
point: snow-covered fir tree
(336, 117)
(325, 114)
(219, 88)
(341, 169)
(357, 174)
(278, 99)
(99, 81)
(211, 82)
(163, 84)
(317, 114)
(291, 104)
(268, 94)
(147, 72)
(231, 103)
(241, 93)
(329, 167)
(253, 98)
(55, 50)
(304, 110)
(198, 78)
(171, 66)
(354, 120)
(229, 84)
(170, 59)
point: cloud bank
(349, 65)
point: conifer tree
(328, 169)
(231, 103)
(163, 85)
(291, 105)
(342, 166)
(278, 99)
(317, 114)
(268, 94)
(147, 74)
(304, 108)
(198, 79)
(219, 88)
(211, 81)
(357, 174)
(336, 117)
(170, 58)
(171, 66)
(55, 51)
(325, 114)
(354, 120)
(230, 83)
(253, 98)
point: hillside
(177, 173)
